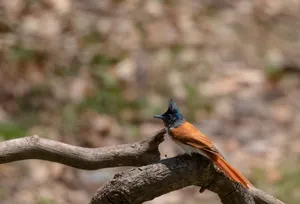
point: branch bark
(34, 147)
(139, 184)
(262, 197)
(133, 186)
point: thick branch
(138, 184)
(141, 184)
(34, 147)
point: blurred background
(93, 73)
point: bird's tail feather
(231, 172)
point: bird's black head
(172, 117)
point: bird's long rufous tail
(230, 171)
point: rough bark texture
(141, 184)
(153, 177)
(35, 147)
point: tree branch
(34, 147)
(262, 197)
(139, 184)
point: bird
(191, 140)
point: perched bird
(190, 139)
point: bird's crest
(173, 107)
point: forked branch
(141, 184)
(151, 178)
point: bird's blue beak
(159, 117)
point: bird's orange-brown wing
(190, 135)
